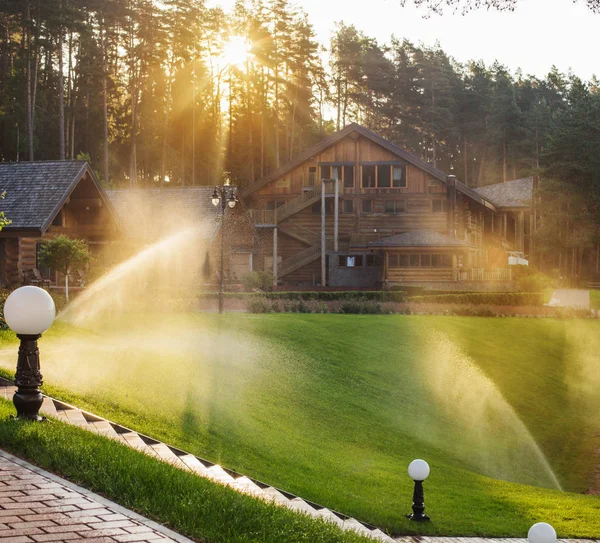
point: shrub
(360, 307)
(336, 296)
(259, 304)
(258, 280)
(487, 298)
(471, 310)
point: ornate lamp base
(418, 505)
(28, 399)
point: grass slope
(188, 504)
(333, 407)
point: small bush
(474, 311)
(360, 307)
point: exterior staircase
(296, 231)
(271, 217)
(302, 258)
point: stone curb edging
(201, 467)
(97, 498)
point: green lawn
(334, 407)
(595, 299)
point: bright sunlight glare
(236, 51)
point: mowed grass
(186, 503)
(334, 407)
(595, 299)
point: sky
(538, 34)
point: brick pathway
(38, 506)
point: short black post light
(418, 470)
(29, 311)
(226, 196)
(541, 532)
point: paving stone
(272, 494)
(71, 514)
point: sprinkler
(418, 470)
(29, 311)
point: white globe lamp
(29, 311)
(418, 470)
(541, 532)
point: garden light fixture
(541, 532)
(29, 311)
(226, 196)
(418, 470)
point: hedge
(487, 298)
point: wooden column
(275, 271)
(336, 213)
(520, 231)
(323, 237)
(451, 204)
(454, 267)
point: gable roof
(141, 211)
(419, 238)
(36, 191)
(516, 193)
(376, 138)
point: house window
(367, 206)
(434, 182)
(316, 207)
(393, 261)
(325, 172)
(355, 261)
(368, 177)
(348, 206)
(414, 261)
(399, 177)
(438, 206)
(336, 173)
(46, 272)
(384, 179)
(425, 261)
(373, 261)
(395, 206)
(58, 220)
(441, 261)
(348, 177)
(403, 261)
(312, 175)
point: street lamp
(541, 532)
(418, 470)
(29, 311)
(226, 196)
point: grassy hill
(334, 407)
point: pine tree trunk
(69, 95)
(105, 157)
(277, 160)
(27, 34)
(250, 123)
(465, 160)
(504, 157)
(61, 90)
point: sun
(236, 51)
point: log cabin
(356, 210)
(42, 200)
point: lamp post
(541, 532)
(225, 196)
(418, 470)
(29, 311)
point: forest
(173, 92)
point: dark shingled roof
(36, 191)
(369, 134)
(517, 193)
(419, 238)
(148, 213)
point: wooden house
(356, 210)
(150, 215)
(42, 200)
